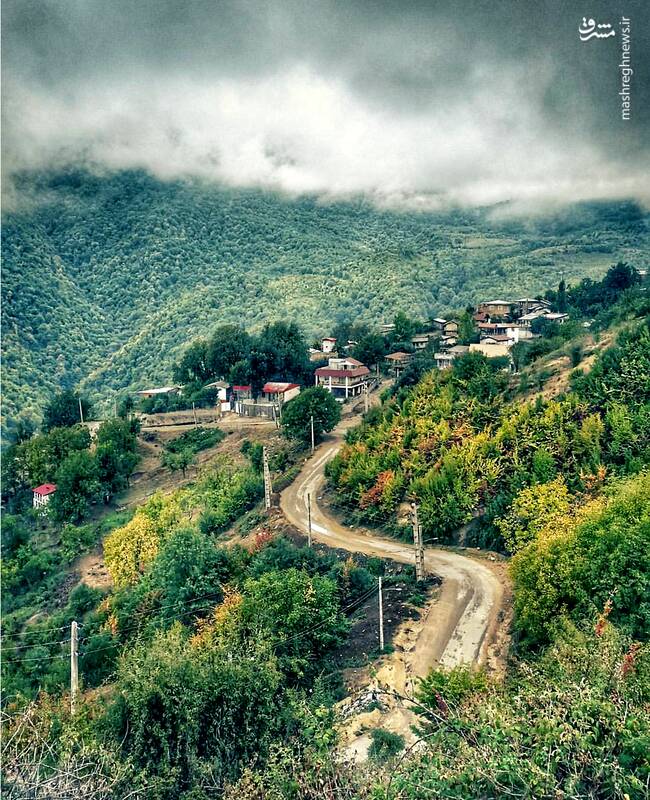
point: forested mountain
(106, 279)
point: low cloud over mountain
(408, 102)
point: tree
(299, 613)
(191, 711)
(561, 302)
(533, 509)
(194, 364)
(404, 328)
(178, 461)
(63, 410)
(228, 345)
(315, 402)
(77, 483)
(371, 349)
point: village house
(224, 393)
(421, 340)
(448, 341)
(163, 390)
(438, 323)
(42, 495)
(526, 319)
(240, 393)
(445, 360)
(495, 308)
(343, 377)
(528, 304)
(553, 316)
(387, 328)
(328, 345)
(397, 363)
(450, 328)
(279, 392)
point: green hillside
(107, 278)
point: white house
(224, 393)
(343, 377)
(42, 495)
(328, 344)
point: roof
(217, 385)
(443, 356)
(162, 390)
(532, 315)
(420, 337)
(242, 388)
(441, 320)
(496, 303)
(498, 337)
(555, 315)
(533, 300)
(353, 361)
(273, 387)
(488, 326)
(328, 339)
(44, 489)
(459, 349)
(399, 356)
(325, 372)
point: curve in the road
(459, 626)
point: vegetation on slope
(106, 278)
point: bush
(385, 744)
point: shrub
(385, 744)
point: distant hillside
(105, 279)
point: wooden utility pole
(311, 422)
(366, 398)
(267, 479)
(74, 667)
(381, 617)
(309, 520)
(419, 547)
(81, 412)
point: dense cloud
(410, 102)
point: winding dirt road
(459, 626)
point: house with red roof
(42, 494)
(343, 377)
(279, 392)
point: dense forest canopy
(107, 278)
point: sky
(417, 103)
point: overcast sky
(470, 102)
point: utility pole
(196, 424)
(267, 479)
(309, 520)
(74, 667)
(81, 412)
(417, 541)
(311, 422)
(366, 398)
(381, 617)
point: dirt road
(459, 626)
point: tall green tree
(315, 402)
(77, 482)
(63, 410)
